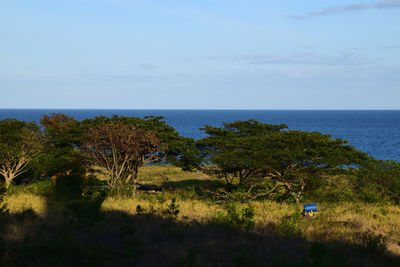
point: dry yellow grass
(333, 222)
(24, 201)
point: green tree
(177, 150)
(378, 180)
(229, 152)
(20, 143)
(64, 135)
(250, 152)
(299, 160)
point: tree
(62, 130)
(20, 143)
(379, 180)
(298, 160)
(119, 150)
(177, 150)
(230, 153)
(64, 135)
(250, 152)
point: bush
(242, 218)
(289, 225)
(372, 242)
(172, 210)
(370, 193)
(379, 181)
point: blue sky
(211, 54)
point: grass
(126, 234)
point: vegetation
(118, 150)
(292, 162)
(20, 142)
(65, 212)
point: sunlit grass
(333, 222)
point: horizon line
(213, 109)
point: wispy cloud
(303, 58)
(349, 8)
(147, 66)
(390, 47)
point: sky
(200, 54)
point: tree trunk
(135, 174)
(7, 183)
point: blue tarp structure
(310, 207)
(309, 210)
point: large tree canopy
(178, 150)
(233, 151)
(249, 151)
(66, 135)
(20, 143)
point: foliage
(64, 135)
(250, 152)
(371, 241)
(175, 149)
(378, 181)
(119, 150)
(289, 225)
(62, 130)
(39, 188)
(3, 205)
(242, 218)
(337, 188)
(172, 210)
(229, 151)
(20, 143)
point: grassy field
(150, 229)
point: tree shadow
(76, 232)
(193, 183)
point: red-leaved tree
(119, 150)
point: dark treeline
(255, 160)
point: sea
(376, 132)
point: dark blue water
(374, 132)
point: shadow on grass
(187, 184)
(78, 233)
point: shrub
(140, 210)
(172, 210)
(289, 225)
(370, 193)
(379, 181)
(242, 218)
(372, 242)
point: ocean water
(376, 132)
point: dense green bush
(289, 225)
(372, 242)
(40, 188)
(242, 218)
(379, 181)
